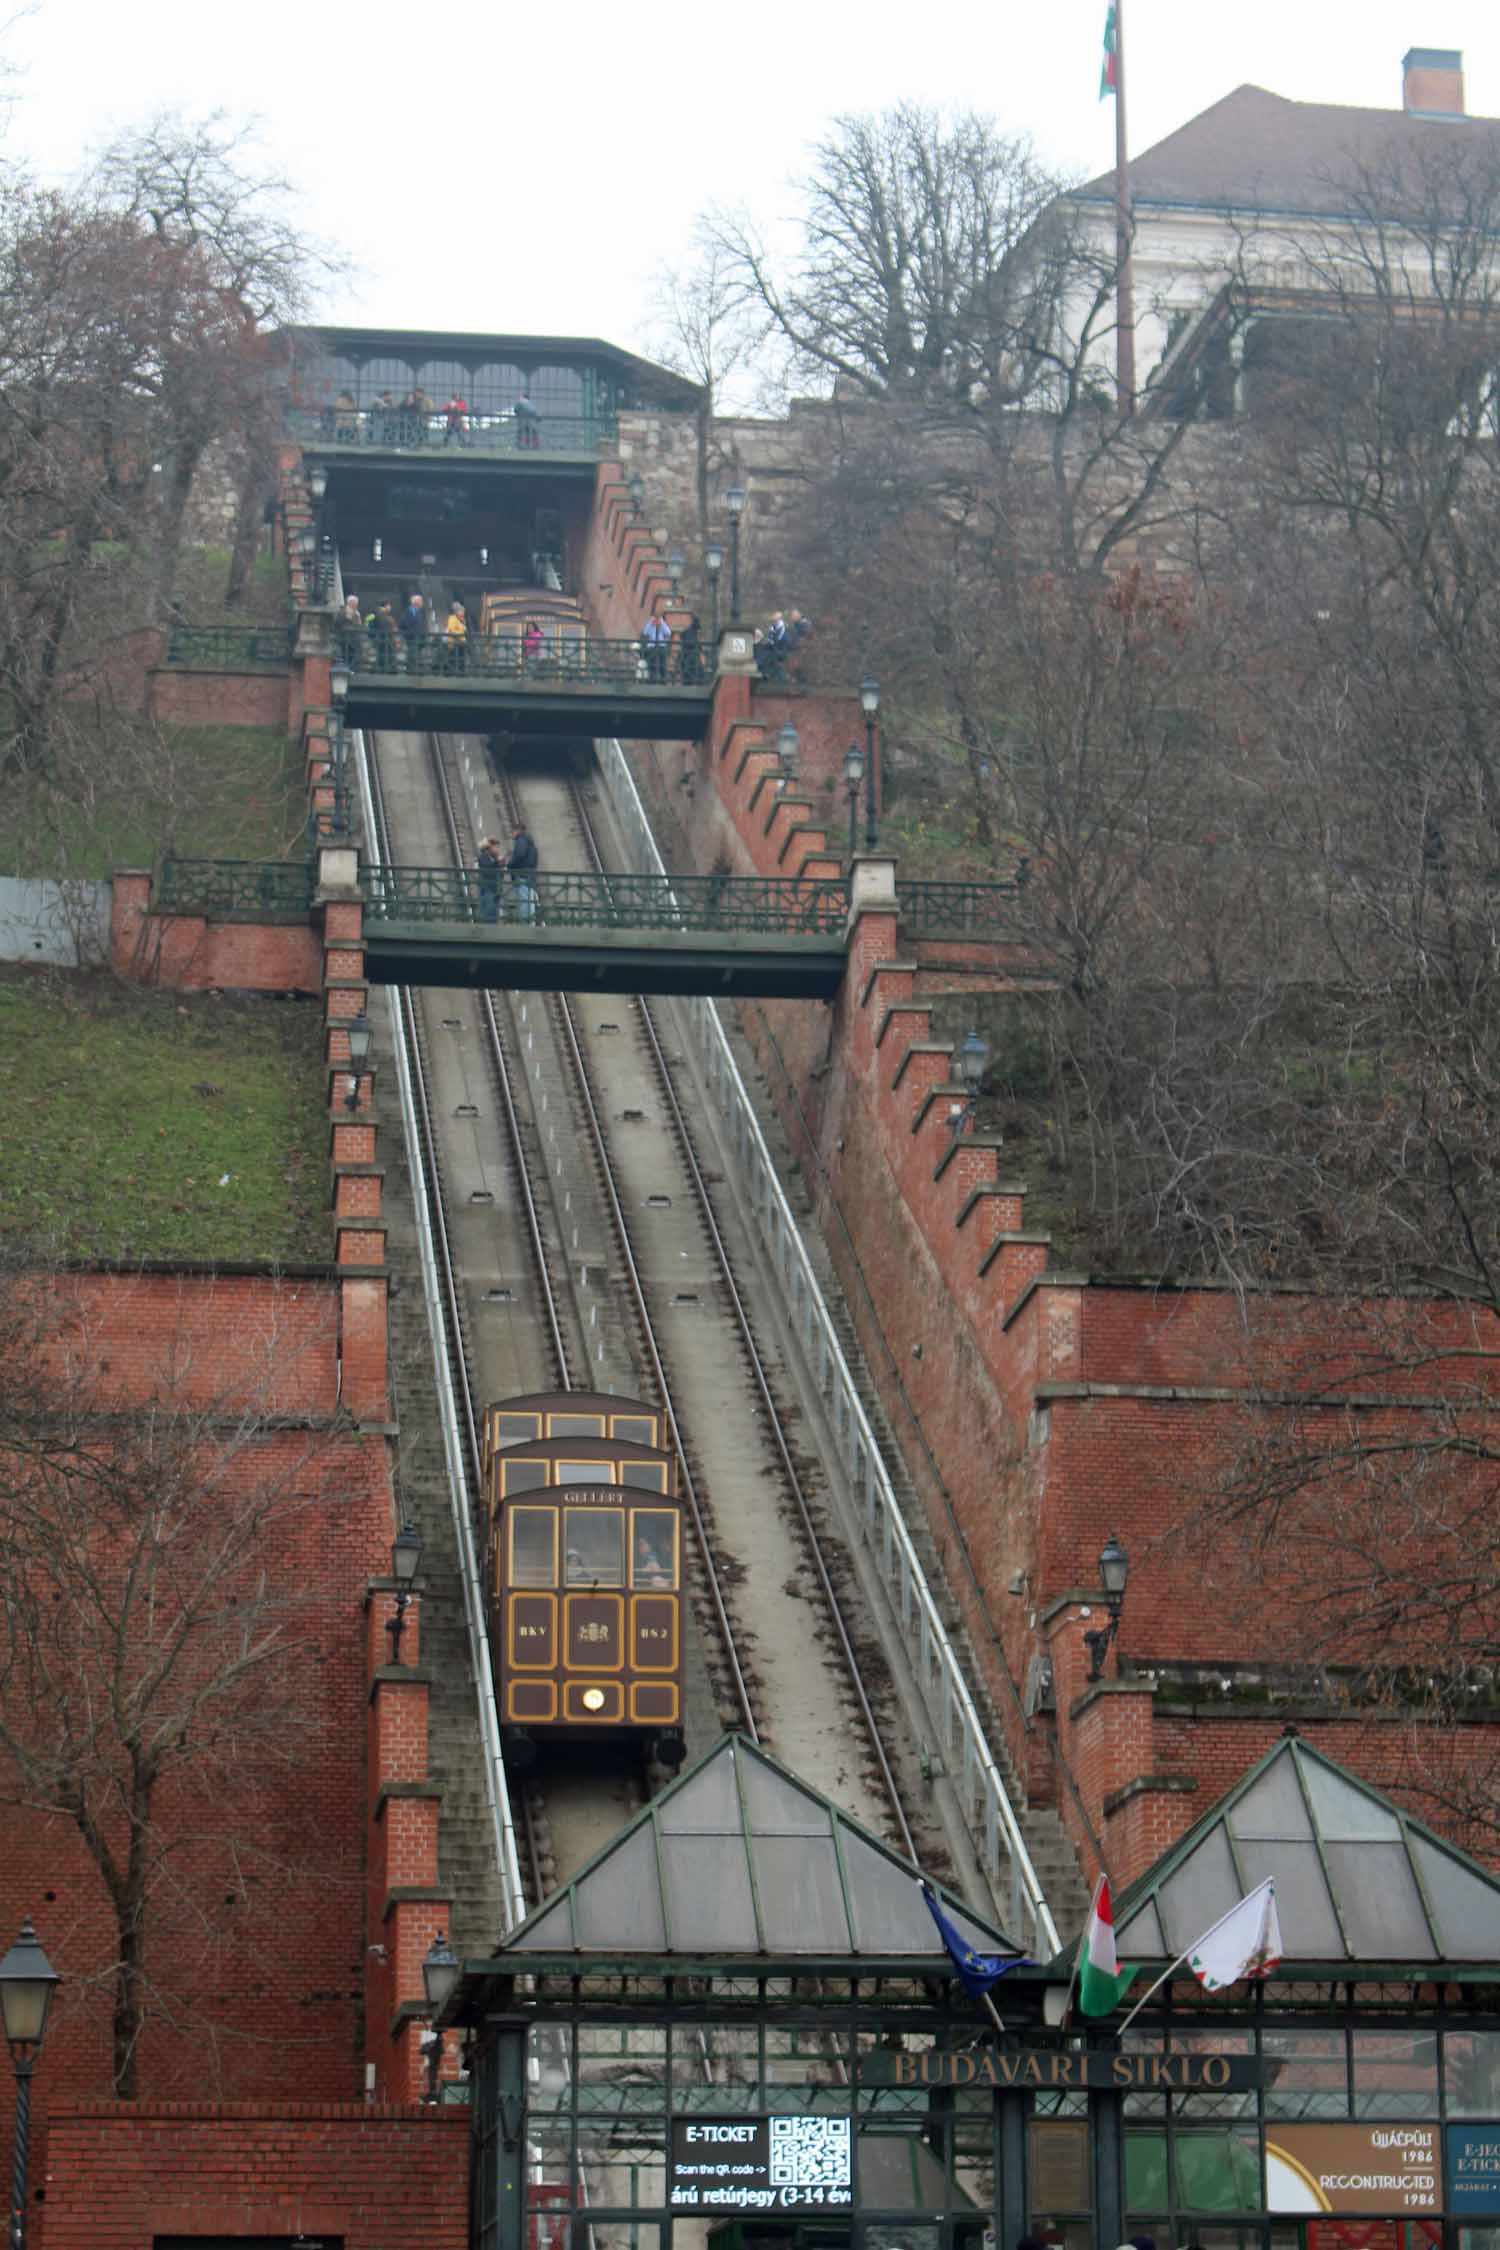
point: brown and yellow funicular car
(585, 1570)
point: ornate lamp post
(854, 773)
(971, 1057)
(734, 501)
(869, 703)
(357, 1032)
(674, 572)
(713, 563)
(27, 1982)
(406, 1556)
(635, 485)
(440, 1973)
(1114, 1572)
(789, 748)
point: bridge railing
(584, 661)
(253, 890)
(389, 429)
(769, 905)
(961, 910)
(229, 648)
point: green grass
(160, 1125)
(195, 792)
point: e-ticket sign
(761, 2164)
(1386, 2168)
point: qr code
(810, 2152)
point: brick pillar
(407, 1907)
(129, 904)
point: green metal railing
(390, 430)
(772, 905)
(961, 910)
(229, 648)
(583, 661)
(251, 890)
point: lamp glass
(338, 682)
(734, 499)
(854, 765)
(357, 1031)
(973, 1054)
(869, 695)
(440, 1972)
(674, 565)
(319, 483)
(789, 745)
(27, 1981)
(406, 1554)
(713, 560)
(307, 541)
(1114, 1568)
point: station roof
(739, 1858)
(1357, 1879)
(649, 378)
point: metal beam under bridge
(511, 957)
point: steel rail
(939, 1673)
(440, 1294)
(762, 1385)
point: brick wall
(186, 952)
(217, 699)
(382, 2177)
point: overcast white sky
(523, 168)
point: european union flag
(977, 1971)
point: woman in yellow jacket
(458, 637)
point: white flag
(1246, 1942)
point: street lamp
(734, 501)
(713, 563)
(854, 773)
(406, 1555)
(674, 571)
(317, 483)
(27, 1981)
(357, 1033)
(869, 703)
(440, 1973)
(970, 1057)
(338, 681)
(789, 749)
(635, 485)
(1114, 1571)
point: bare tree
(156, 1679)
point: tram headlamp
(593, 1699)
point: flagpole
(1122, 2028)
(1078, 1954)
(1193, 1948)
(1124, 229)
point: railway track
(761, 1645)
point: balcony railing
(249, 890)
(390, 429)
(230, 648)
(770, 905)
(571, 661)
(961, 910)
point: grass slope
(158, 1125)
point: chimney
(1432, 82)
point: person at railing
(690, 653)
(490, 866)
(457, 630)
(414, 631)
(772, 649)
(521, 866)
(528, 423)
(456, 419)
(385, 416)
(346, 419)
(531, 645)
(387, 639)
(656, 647)
(416, 413)
(351, 632)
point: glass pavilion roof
(1356, 1879)
(739, 1857)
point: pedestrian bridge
(488, 684)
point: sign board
(761, 2164)
(1472, 2154)
(1385, 2168)
(1033, 2067)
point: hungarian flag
(1109, 82)
(1245, 1942)
(1102, 1983)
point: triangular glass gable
(1357, 1879)
(738, 1857)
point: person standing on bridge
(489, 864)
(456, 419)
(656, 646)
(528, 422)
(521, 866)
(414, 631)
(458, 637)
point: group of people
(660, 646)
(780, 642)
(414, 642)
(414, 420)
(520, 865)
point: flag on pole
(1109, 82)
(1102, 1983)
(1246, 1942)
(977, 1971)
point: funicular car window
(594, 1540)
(517, 1429)
(521, 1476)
(575, 1425)
(646, 1476)
(653, 1547)
(635, 1429)
(533, 1546)
(584, 1472)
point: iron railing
(783, 906)
(250, 890)
(560, 661)
(229, 648)
(390, 429)
(960, 910)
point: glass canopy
(738, 1857)
(1356, 1878)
